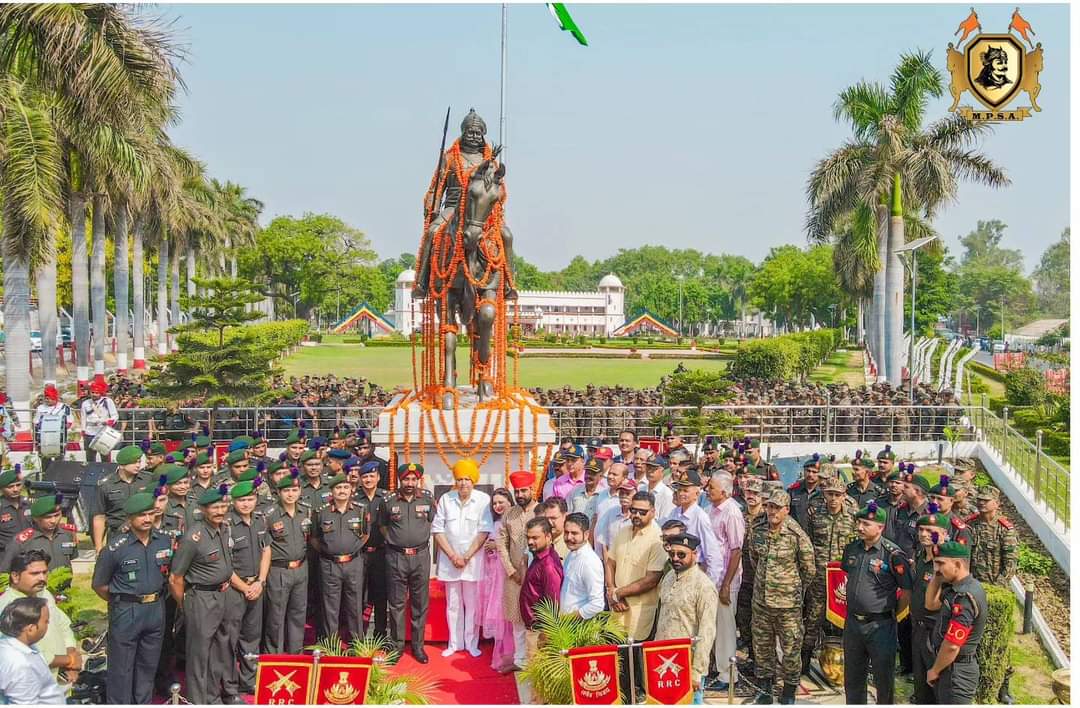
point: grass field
(392, 366)
(841, 367)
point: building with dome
(594, 314)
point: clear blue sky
(691, 126)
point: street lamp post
(913, 248)
(680, 306)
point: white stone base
(487, 436)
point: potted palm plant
(384, 687)
(549, 670)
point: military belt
(138, 599)
(222, 587)
(407, 551)
(340, 558)
(250, 579)
(964, 658)
(871, 616)
(371, 549)
(291, 565)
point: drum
(52, 431)
(106, 440)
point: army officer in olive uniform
(371, 499)
(251, 563)
(113, 491)
(130, 575)
(14, 508)
(288, 522)
(49, 533)
(339, 532)
(960, 623)
(201, 575)
(406, 525)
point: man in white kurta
(460, 528)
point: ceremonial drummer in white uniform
(461, 526)
(55, 416)
(98, 412)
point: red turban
(522, 480)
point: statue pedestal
(500, 440)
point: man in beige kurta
(512, 550)
(688, 604)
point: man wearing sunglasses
(688, 605)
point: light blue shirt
(698, 523)
(583, 583)
(25, 677)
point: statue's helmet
(473, 119)
(993, 54)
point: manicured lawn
(841, 367)
(392, 366)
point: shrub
(1034, 562)
(993, 652)
(986, 371)
(315, 337)
(783, 358)
(1025, 387)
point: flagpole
(502, 83)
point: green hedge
(784, 358)
(276, 336)
(987, 371)
(993, 652)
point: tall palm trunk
(80, 288)
(190, 255)
(97, 284)
(174, 268)
(46, 292)
(894, 289)
(138, 297)
(860, 322)
(877, 312)
(163, 296)
(120, 282)
(17, 332)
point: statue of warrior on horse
(464, 267)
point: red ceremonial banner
(594, 675)
(341, 680)
(283, 679)
(667, 672)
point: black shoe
(419, 654)
(763, 699)
(788, 696)
(807, 655)
(1004, 696)
(234, 701)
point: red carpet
(463, 679)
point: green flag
(566, 22)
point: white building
(590, 313)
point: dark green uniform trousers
(341, 591)
(407, 574)
(921, 660)
(375, 590)
(286, 608)
(209, 659)
(245, 620)
(957, 683)
(134, 646)
(873, 640)
(167, 663)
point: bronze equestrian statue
(466, 256)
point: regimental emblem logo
(341, 693)
(283, 682)
(995, 69)
(667, 664)
(594, 679)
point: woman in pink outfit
(492, 622)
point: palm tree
(893, 159)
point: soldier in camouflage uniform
(995, 548)
(830, 531)
(783, 560)
(754, 510)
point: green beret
(887, 453)
(308, 455)
(894, 475)
(952, 549)
(336, 480)
(235, 456)
(275, 466)
(246, 438)
(937, 519)
(154, 488)
(294, 437)
(129, 455)
(10, 476)
(242, 489)
(174, 473)
(202, 441)
(864, 462)
(156, 449)
(138, 503)
(410, 468)
(249, 475)
(43, 506)
(872, 512)
(212, 495)
(921, 482)
(203, 458)
(288, 481)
